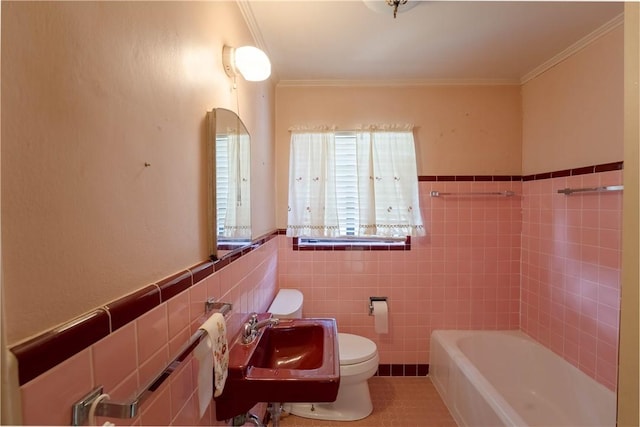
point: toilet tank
(287, 304)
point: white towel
(213, 357)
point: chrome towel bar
(80, 410)
(569, 191)
(490, 193)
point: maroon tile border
(460, 178)
(42, 353)
(172, 286)
(130, 307)
(583, 171)
(605, 167)
(38, 355)
(201, 271)
(560, 174)
(503, 178)
(402, 370)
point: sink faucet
(251, 328)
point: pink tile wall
(571, 260)
(465, 274)
(128, 359)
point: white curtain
(387, 183)
(312, 197)
(237, 219)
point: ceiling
(435, 41)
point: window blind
(347, 183)
(222, 181)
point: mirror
(229, 165)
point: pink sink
(294, 361)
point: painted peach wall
(128, 359)
(90, 92)
(465, 274)
(460, 130)
(573, 113)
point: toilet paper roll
(381, 317)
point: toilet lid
(286, 302)
(355, 349)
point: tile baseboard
(402, 370)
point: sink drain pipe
(242, 419)
(275, 410)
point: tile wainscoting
(464, 274)
(571, 270)
(481, 267)
(125, 344)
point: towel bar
(569, 191)
(80, 410)
(490, 193)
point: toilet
(358, 362)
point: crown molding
(574, 48)
(398, 83)
(250, 20)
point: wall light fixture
(248, 61)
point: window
(233, 214)
(353, 184)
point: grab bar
(80, 410)
(491, 193)
(569, 191)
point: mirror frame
(212, 219)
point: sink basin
(294, 361)
(290, 347)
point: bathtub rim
(449, 341)
(486, 391)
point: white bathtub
(504, 378)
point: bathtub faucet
(251, 328)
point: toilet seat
(355, 349)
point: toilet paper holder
(371, 300)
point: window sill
(350, 244)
